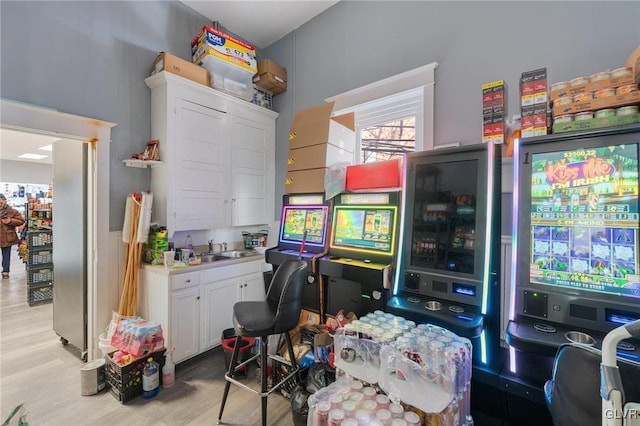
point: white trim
(33, 118)
(422, 77)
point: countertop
(160, 269)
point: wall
(90, 58)
(25, 172)
(355, 43)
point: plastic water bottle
(150, 379)
(169, 370)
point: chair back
(573, 394)
(285, 294)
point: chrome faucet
(212, 247)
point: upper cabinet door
(252, 167)
(201, 167)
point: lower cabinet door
(217, 312)
(185, 323)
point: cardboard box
(634, 62)
(168, 62)
(317, 156)
(596, 104)
(596, 123)
(591, 87)
(381, 174)
(305, 181)
(271, 76)
(213, 42)
(314, 126)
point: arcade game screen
(368, 229)
(297, 219)
(585, 220)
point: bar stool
(278, 314)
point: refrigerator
(70, 244)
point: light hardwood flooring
(38, 371)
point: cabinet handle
(198, 298)
(187, 281)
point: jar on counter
(567, 118)
(604, 93)
(628, 110)
(599, 76)
(585, 115)
(605, 112)
(559, 86)
(564, 100)
(623, 90)
(579, 81)
(583, 97)
(621, 72)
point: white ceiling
(260, 22)
(14, 143)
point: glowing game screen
(297, 219)
(365, 229)
(585, 219)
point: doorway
(97, 134)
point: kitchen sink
(239, 253)
(212, 257)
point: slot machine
(362, 249)
(303, 233)
(576, 273)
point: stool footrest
(257, 392)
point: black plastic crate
(39, 238)
(125, 382)
(40, 256)
(39, 294)
(40, 275)
(280, 369)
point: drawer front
(230, 271)
(188, 279)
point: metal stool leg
(263, 381)
(230, 373)
(292, 356)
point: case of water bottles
(424, 366)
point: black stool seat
(278, 314)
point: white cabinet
(218, 157)
(219, 297)
(195, 306)
(252, 163)
(185, 323)
(252, 288)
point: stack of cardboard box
(533, 103)
(230, 61)
(493, 111)
(271, 77)
(317, 141)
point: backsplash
(232, 236)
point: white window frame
(403, 95)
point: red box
(382, 174)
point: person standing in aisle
(10, 219)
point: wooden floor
(37, 371)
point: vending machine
(362, 250)
(303, 234)
(449, 259)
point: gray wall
(90, 58)
(358, 42)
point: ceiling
(260, 23)
(14, 143)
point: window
(393, 116)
